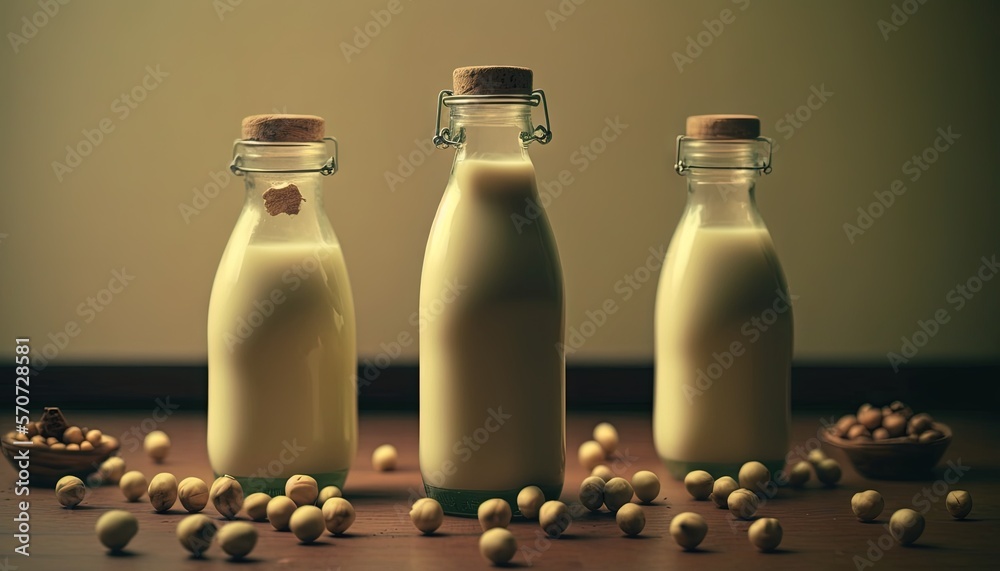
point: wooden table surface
(820, 532)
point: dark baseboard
(627, 387)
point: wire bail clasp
(331, 166)
(544, 131)
(681, 167)
(442, 135)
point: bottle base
(276, 486)
(466, 502)
(680, 468)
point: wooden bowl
(46, 466)
(894, 458)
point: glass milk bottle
(281, 335)
(492, 314)
(723, 315)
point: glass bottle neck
(721, 180)
(723, 197)
(491, 131)
(273, 220)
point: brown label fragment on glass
(283, 199)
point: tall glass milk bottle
(282, 360)
(723, 315)
(492, 314)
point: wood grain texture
(820, 531)
(286, 128)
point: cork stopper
(284, 128)
(723, 126)
(492, 80)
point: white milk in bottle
(723, 314)
(281, 332)
(492, 377)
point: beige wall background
(890, 88)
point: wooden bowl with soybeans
(890, 442)
(54, 448)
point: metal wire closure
(442, 135)
(681, 167)
(331, 166)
